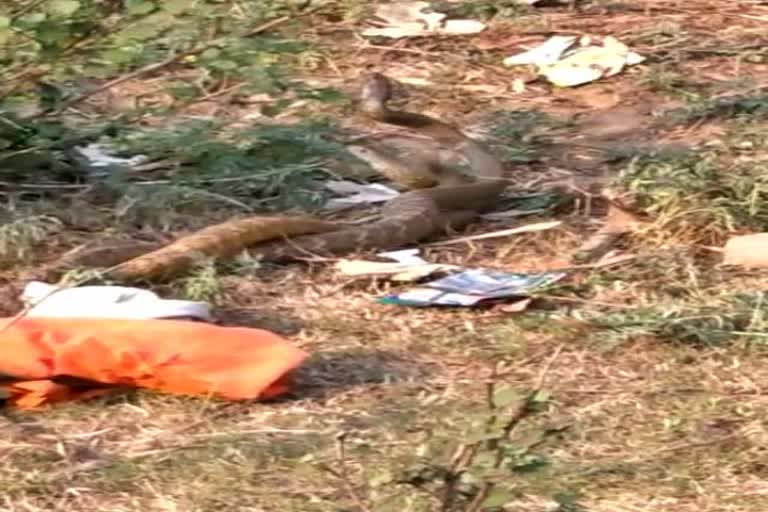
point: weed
(263, 166)
(691, 198)
(79, 276)
(737, 316)
(49, 49)
(661, 79)
(475, 459)
(18, 237)
(512, 133)
(729, 107)
(72, 40)
(260, 168)
(201, 284)
(485, 10)
(243, 265)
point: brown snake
(413, 215)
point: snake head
(375, 93)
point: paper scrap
(548, 52)
(97, 157)
(405, 256)
(567, 67)
(360, 194)
(409, 19)
(472, 287)
(99, 163)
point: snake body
(413, 215)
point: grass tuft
(729, 107)
(20, 236)
(693, 199)
(741, 317)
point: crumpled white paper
(587, 63)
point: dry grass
(635, 419)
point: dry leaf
(749, 251)
(514, 307)
(518, 85)
(618, 222)
(621, 220)
(612, 259)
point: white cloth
(47, 300)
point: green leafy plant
(732, 317)
(58, 53)
(690, 196)
(753, 106)
(662, 79)
(19, 236)
(261, 167)
(202, 284)
(472, 464)
(65, 41)
(486, 9)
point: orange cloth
(173, 356)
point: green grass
(697, 196)
(732, 107)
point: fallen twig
(541, 226)
(342, 474)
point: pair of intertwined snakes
(411, 217)
(416, 214)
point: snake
(436, 201)
(416, 214)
